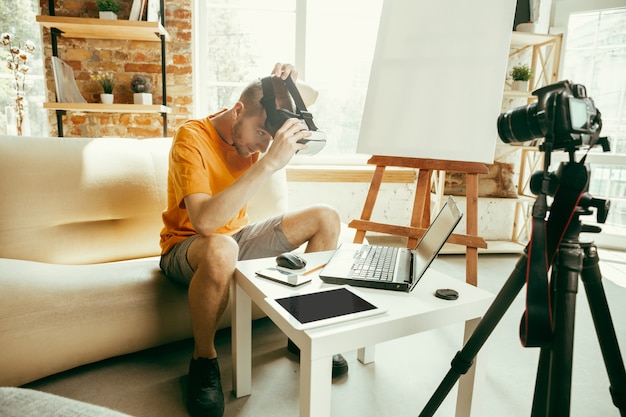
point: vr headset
(276, 117)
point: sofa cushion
(78, 201)
(56, 317)
(81, 201)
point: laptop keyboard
(375, 263)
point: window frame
(561, 16)
(200, 102)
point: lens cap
(446, 294)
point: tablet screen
(308, 308)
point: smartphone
(284, 277)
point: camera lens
(519, 124)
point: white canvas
(437, 77)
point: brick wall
(124, 59)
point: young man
(214, 169)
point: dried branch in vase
(17, 63)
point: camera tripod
(570, 260)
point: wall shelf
(107, 108)
(542, 52)
(545, 57)
(78, 27)
(115, 30)
(532, 39)
(517, 94)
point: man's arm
(209, 213)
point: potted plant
(108, 9)
(521, 74)
(141, 86)
(107, 82)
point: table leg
(315, 385)
(470, 394)
(366, 354)
(241, 311)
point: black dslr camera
(563, 114)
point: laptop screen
(437, 234)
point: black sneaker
(340, 364)
(204, 389)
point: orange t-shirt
(200, 162)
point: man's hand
(285, 144)
(285, 70)
(285, 141)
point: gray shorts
(258, 240)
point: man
(214, 170)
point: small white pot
(108, 15)
(520, 85)
(527, 27)
(106, 98)
(142, 98)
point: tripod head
(571, 175)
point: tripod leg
(542, 380)
(542, 384)
(568, 266)
(592, 280)
(464, 358)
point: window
(18, 19)
(330, 42)
(595, 56)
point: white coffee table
(407, 313)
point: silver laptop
(388, 267)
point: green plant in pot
(107, 82)
(141, 86)
(108, 9)
(521, 74)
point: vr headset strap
(269, 101)
(300, 106)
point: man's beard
(235, 135)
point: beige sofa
(79, 232)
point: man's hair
(251, 97)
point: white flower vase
(16, 124)
(142, 98)
(106, 98)
(108, 15)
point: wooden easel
(420, 218)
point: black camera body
(563, 114)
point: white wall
(395, 204)
(562, 8)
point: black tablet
(324, 306)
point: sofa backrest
(79, 200)
(91, 200)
